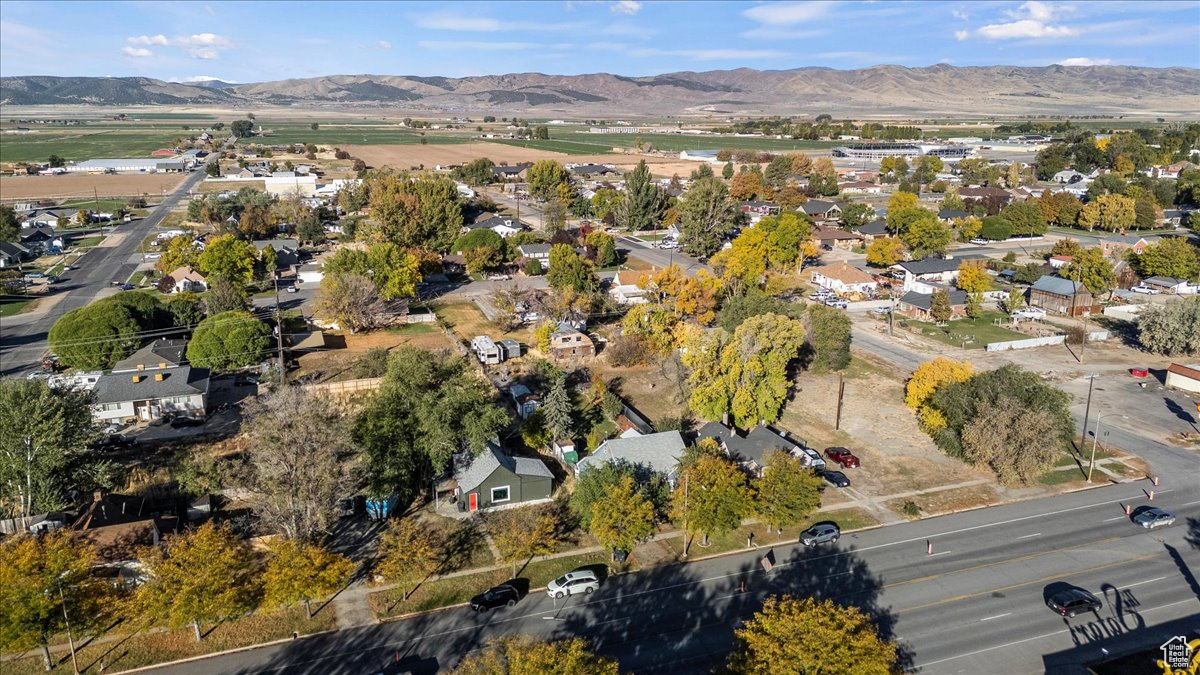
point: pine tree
(558, 409)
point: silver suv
(573, 583)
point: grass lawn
(11, 305)
(414, 329)
(846, 519)
(974, 333)
(345, 134)
(1063, 476)
(467, 321)
(947, 501)
(138, 277)
(143, 649)
(87, 242)
(109, 205)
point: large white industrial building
(878, 151)
(138, 165)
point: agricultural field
(86, 187)
(342, 133)
(89, 141)
(583, 143)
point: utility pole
(837, 425)
(1095, 440)
(67, 620)
(1083, 342)
(1087, 411)
(685, 512)
(279, 330)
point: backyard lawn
(969, 333)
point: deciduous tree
(544, 177)
(829, 335)
(857, 214)
(1015, 442)
(521, 534)
(569, 270)
(408, 553)
(234, 339)
(229, 258)
(886, 251)
(1093, 269)
(1112, 213)
(300, 572)
(225, 296)
(43, 436)
(926, 235)
(707, 216)
(940, 307)
(973, 277)
(94, 337)
(787, 492)
(930, 375)
(1172, 328)
(711, 497)
(1173, 257)
(622, 517)
(524, 655)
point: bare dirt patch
(948, 501)
(57, 187)
(337, 362)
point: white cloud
(788, 13)
(626, 7)
(203, 53)
(384, 44)
(137, 52)
(481, 24)
(959, 14)
(159, 39)
(961, 35)
(204, 40)
(1030, 20)
(1085, 61)
(201, 78)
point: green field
(583, 143)
(352, 135)
(89, 142)
(974, 333)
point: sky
(263, 41)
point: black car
(180, 422)
(502, 595)
(1073, 601)
(113, 441)
(835, 478)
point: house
(495, 479)
(40, 235)
(822, 211)
(624, 289)
(758, 208)
(1067, 176)
(1062, 296)
(709, 156)
(502, 226)
(997, 197)
(841, 277)
(590, 170)
(915, 305)
(487, 351)
(751, 449)
(659, 452)
(1183, 377)
(12, 253)
(922, 275)
(831, 237)
(873, 230)
(119, 526)
(524, 400)
(287, 251)
(949, 215)
(188, 280)
(859, 187)
(568, 343)
(1169, 285)
(153, 382)
(1118, 242)
(1175, 217)
(1060, 261)
(538, 252)
(515, 172)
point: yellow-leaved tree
(804, 635)
(973, 277)
(932, 374)
(525, 655)
(300, 572)
(622, 517)
(408, 553)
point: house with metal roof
(496, 479)
(1062, 296)
(658, 452)
(750, 450)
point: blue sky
(260, 41)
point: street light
(1096, 439)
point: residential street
(975, 605)
(23, 339)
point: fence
(1030, 343)
(345, 387)
(1124, 312)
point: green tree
(94, 337)
(787, 492)
(478, 239)
(828, 338)
(186, 310)
(927, 236)
(605, 248)
(229, 340)
(940, 307)
(310, 230)
(707, 217)
(1025, 218)
(711, 498)
(1112, 213)
(592, 485)
(1171, 329)
(622, 517)
(544, 177)
(974, 305)
(242, 128)
(39, 575)
(299, 572)
(857, 214)
(639, 210)
(408, 553)
(1146, 212)
(806, 635)
(525, 655)
(10, 229)
(225, 296)
(1172, 257)
(738, 308)
(727, 171)
(777, 171)
(570, 270)
(420, 213)
(229, 258)
(558, 410)
(43, 435)
(1093, 269)
(205, 574)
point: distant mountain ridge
(940, 89)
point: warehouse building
(132, 165)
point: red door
(473, 501)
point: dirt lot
(52, 187)
(336, 363)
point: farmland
(89, 142)
(125, 185)
(355, 134)
(588, 143)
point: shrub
(910, 509)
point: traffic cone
(742, 587)
(929, 547)
(1152, 495)
(1156, 481)
(1127, 509)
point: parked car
(573, 583)
(181, 422)
(1144, 289)
(1153, 517)
(810, 457)
(126, 287)
(980, 241)
(820, 534)
(51, 279)
(835, 478)
(668, 244)
(1073, 601)
(837, 303)
(113, 441)
(290, 289)
(498, 277)
(503, 595)
(842, 456)
(1030, 313)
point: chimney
(162, 364)
(141, 366)
(158, 377)
(137, 378)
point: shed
(494, 479)
(1063, 296)
(1186, 378)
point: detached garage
(1184, 378)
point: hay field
(120, 185)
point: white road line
(1035, 534)
(1109, 520)
(998, 616)
(931, 555)
(1147, 581)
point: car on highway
(835, 478)
(1144, 290)
(573, 583)
(504, 595)
(68, 268)
(668, 244)
(1153, 517)
(1073, 601)
(842, 456)
(1030, 313)
(820, 534)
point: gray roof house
(287, 251)
(161, 353)
(659, 452)
(495, 479)
(539, 252)
(152, 383)
(751, 450)
(875, 228)
(819, 209)
(12, 253)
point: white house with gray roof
(659, 452)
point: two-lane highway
(976, 604)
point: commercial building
(132, 165)
(877, 151)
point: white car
(980, 242)
(1030, 313)
(498, 277)
(668, 243)
(1144, 289)
(573, 583)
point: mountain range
(934, 90)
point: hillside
(936, 90)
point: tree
(311, 231)
(1011, 440)
(787, 492)
(711, 497)
(1025, 218)
(886, 251)
(43, 436)
(1173, 257)
(225, 296)
(828, 338)
(727, 171)
(298, 452)
(300, 572)
(640, 207)
(707, 217)
(242, 128)
(939, 306)
(622, 517)
(94, 337)
(1112, 213)
(179, 252)
(927, 236)
(995, 228)
(747, 375)
(186, 310)
(1093, 269)
(524, 655)
(39, 575)
(569, 270)
(229, 258)
(352, 300)
(702, 171)
(973, 277)
(777, 172)
(10, 229)
(974, 304)
(806, 635)
(480, 238)
(930, 375)
(521, 534)
(823, 178)
(55, 161)
(1066, 247)
(857, 214)
(747, 185)
(544, 177)
(408, 553)
(205, 574)
(420, 213)
(1172, 328)
(604, 247)
(594, 484)
(229, 340)
(1015, 300)
(1059, 208)
(744, 263)
(558, 410)
(738, 308)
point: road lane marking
(933, 555)
(1109, 520)
(1039, 637)
(1139, 583)
(1035, 534)
(998, 616)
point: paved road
(22, 343)
(661, 257)
(976, 605)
